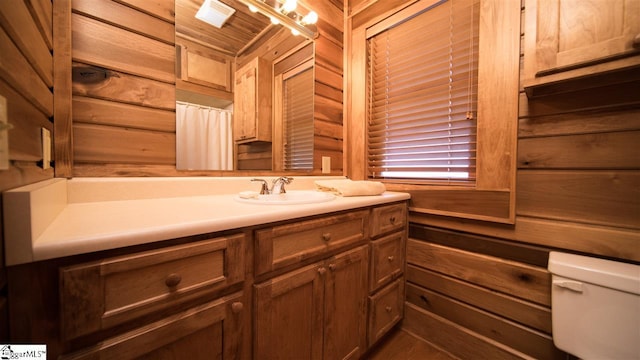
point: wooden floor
(401, 345)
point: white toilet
(595, 307)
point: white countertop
(60, 217)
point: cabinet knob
(332, 267)
(173, 280)
(390, 258)
(322, 270)
(326, 236)
(636, 41)
(236, 307)
(388, 308)
(392, 220)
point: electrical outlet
(4, 134)
(326, 165)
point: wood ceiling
(238, 32)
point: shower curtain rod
(201, 106)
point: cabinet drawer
(388, 218)
(288, 244)
(209, 331)
(115, 290)
(387, 259)
(385, 310)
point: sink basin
(291, 197)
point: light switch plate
(46, 148)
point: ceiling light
(284, 12)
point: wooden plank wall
(328, 120)
(481, 290)
(123, 86)
(329, 73)
(124, 124)
(26, 82)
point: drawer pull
(388, 308)
(332, 267)
(322, 270)
(390, 258)
(236, 307)
(173, 280)
(392, 220)
(326, 236)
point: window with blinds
(298, 121)
(422, 96)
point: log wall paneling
(62, 58)
(456, 339)
(123, 85)
(26, 81)
(577, 190)
(508, 277)
(127, 18)
(607, 198)
(106, 144)
(498, 291)
(93, 43)
(126, 88)
(103, 112)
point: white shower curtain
(203, 138)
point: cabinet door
(385, 310)
(573, 38)
(209, 331)
(245, 117)
(345, 304)
(288, 318)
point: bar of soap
(248, 194)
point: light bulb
(274, 21)
(310, 18)
(289, 5)
(295, 32)
(253, 9)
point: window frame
(492, 198)
(457, 97)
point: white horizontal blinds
(298, 121)
(422, 95)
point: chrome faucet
(277, 186)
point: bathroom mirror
(206, 58)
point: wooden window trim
(492, 198)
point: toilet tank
(595, 306)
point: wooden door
(245, 117)
(345, 304)
(568, 39)
(288, 315)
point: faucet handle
(264, 188)
(278, 184)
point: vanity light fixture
(214, 12)
(284, 12)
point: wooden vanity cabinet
(567, 40)
(99, 296)
(252, 102)
(386, 280)
(315, 312)
(341, 304)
